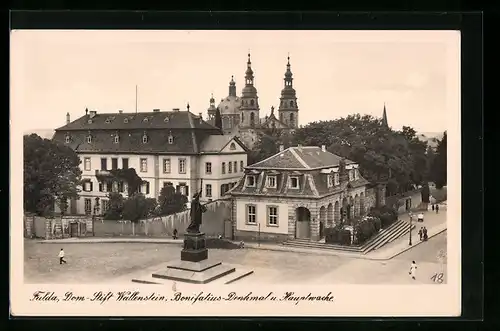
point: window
(125, 120)
(145, 188)
(330, 180)
(114, 163)
(87, 186)
(166, 166)
(230, 167)
(86, 164)
(145, 139)
(232, 146)
(105, 206)
(208, 167)
(124, 163)
(251, 214)
(144, 165)
(183, 189)
(271, 181)
(223, 167)
(292, 119)
(235, 167)
(272, 215)
(356, 174)
(88, 206)
(351, 175)
(67, 139)
(170, 139)
(252, 102)
(89, 139)
(336, 179)
(250, 181)
(208, 190)
(182, 166)
(294, 182)
(291, 106)
(117, 139)
(242, 166)
(104, 163)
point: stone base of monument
(194, 266)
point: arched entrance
(302, 223)
(329, 216)
(322, 222)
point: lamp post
(258, 237)
(411, 219)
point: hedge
(387, 215)
(337, 235)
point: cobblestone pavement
(105, 263)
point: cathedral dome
(230, 105)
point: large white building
(164, 147)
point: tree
(138, 207)
(51, 175)
(115, 206)
(439, 167)
(218, 119)
(170, 201)
(268, 144)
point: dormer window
(145, 139)
(166, 119)
(125, 120)
(107, 121)
(336, 179)
(232, 146)
(330, 180)
(170, 139)
(117, 139)
(89, 121)
(356, 174)
(351, 175)
(67, 139)
(145, 119)
(250, 181)
(89, 139)
(271, 181)
(294, 182)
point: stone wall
(262, 237)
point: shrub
(387, 215)
(337, 235)
(366, 229)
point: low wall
(213, 223)
(254, 236)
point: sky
(336, 73)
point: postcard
(235, 173)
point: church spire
(249, 73)
(288, 109)
(232, 87)
(384, 118)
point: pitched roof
(142, 120)
(215, 143)
(303, 158)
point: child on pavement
(61, 257)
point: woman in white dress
(413, 270)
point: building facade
(297, 193)
(163, 147)
(241, 114)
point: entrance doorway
(73, 229)
(303, 223)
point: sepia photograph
(170, 160)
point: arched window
(170, 139)
(89, 139)
(117, 139)
(291, 104)
(252, 119)
(242, 117)
(292, 119)
(252, 102)
(67, 139)
(232, 146)
(144, 139)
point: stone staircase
(385, 236)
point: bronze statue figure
(197, 209)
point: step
(348, 249)
(233, 277)
(148, 279)
(381, 238)
(319, 244)
(382, 232)
(395, 236)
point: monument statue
(197, 209)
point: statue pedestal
(195, 249)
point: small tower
(288, 109)
(68, 120)
(384, 118)
(211, 110)
(232, 87)
(249, 99)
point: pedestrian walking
(437, 209)
(413, 270)
(174, 235)
(61, 257)
(432, 207)
(420, 233)
(424, 231)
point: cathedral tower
(211, 110)
(249, 100)
(288, 109)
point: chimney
(175, 109)
(120, 111)
(201, 116)
(323, 148)
(67, 118)
(156, 110)
(86, 111)
(282, 148)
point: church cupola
(288, 108)
(232, 87)
(249, 99)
